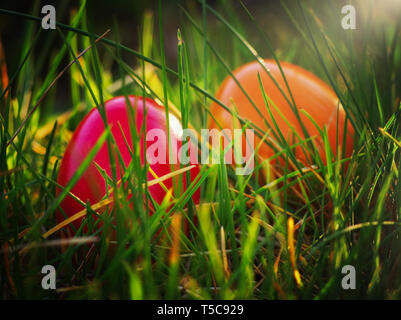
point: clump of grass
(287, 237)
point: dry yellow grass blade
(315, 173)
(291, 249)
(68, 289)
(53, 243)
(41, 150)
(103, 203)
(175, 231)
(227, 271)
(46, 129)
(80, 214)
(38, 148)
(154, 175)
(277, 261)
(386, 134)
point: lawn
(299, 233)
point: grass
(284, 238)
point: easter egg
(310, 94)
(91, 186)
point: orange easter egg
(310, 94)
